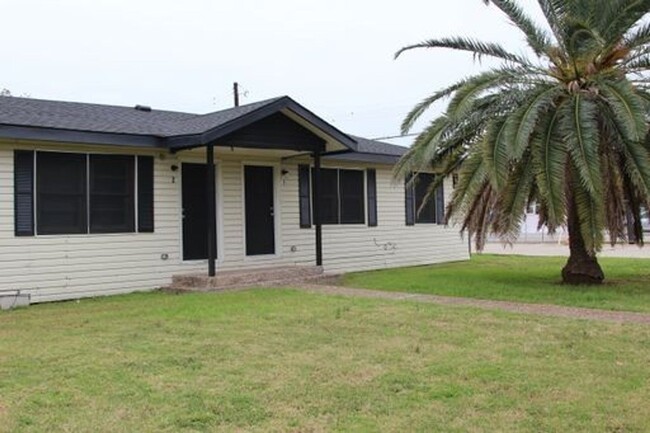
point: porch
(228, 280)
(283, 130)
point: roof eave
(374, 158)
(37, 133)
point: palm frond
(634, 202)
(638, 36)
(555, 11)
(614, 194)
(627, 107)
(641, 64)
(550, 156)
(496, 151)
(626, 112)
(579, 127)
(512, 200)
(477, 48)
(471, 179)
(619, 16)
(479, 217)
(523, 121)
(537, 37)
(465, 95)
(590, 216)
(421, 153)
(417, 111)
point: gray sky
(333, 56)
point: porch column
(212, 211)
(317, 216)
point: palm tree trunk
(581, 268)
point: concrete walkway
(514, 307)
(555, 249)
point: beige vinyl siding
(59, 267)
(392, 243)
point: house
(98, 200)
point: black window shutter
(145, 194)
(24, 193)
(440, 204)
(303, 196)
(409, 201)
(371, 180)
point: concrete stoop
(228, 280)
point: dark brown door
(195, 212)
(260, 215)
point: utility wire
(389, 137)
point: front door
(195, 212)
(260, 220)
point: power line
(390, 137)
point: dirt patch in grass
(517, 279)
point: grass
(279, 360)
(518, 278)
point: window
(422, 207)
(329, 196)
(342, 197)
(79, 193)
(112, 194)
(425, 207)
(61, 193)
(351, 196)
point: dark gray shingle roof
(365, 145)
(97, 118)
(114, 119)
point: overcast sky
(333, 56)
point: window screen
(351, 197)
(425, 211)
(329, 199)
(61, 193)
(112, 193)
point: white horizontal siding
(73, 266)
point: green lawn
(279, 360)
(518, 278)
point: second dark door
(195, 212)
(260, 214)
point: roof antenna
(235, 91)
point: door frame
(277, 210)
(177, 177)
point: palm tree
(566, 127)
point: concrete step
(228, 280)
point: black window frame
(338, 218)
(74, 185)
(417, 187)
